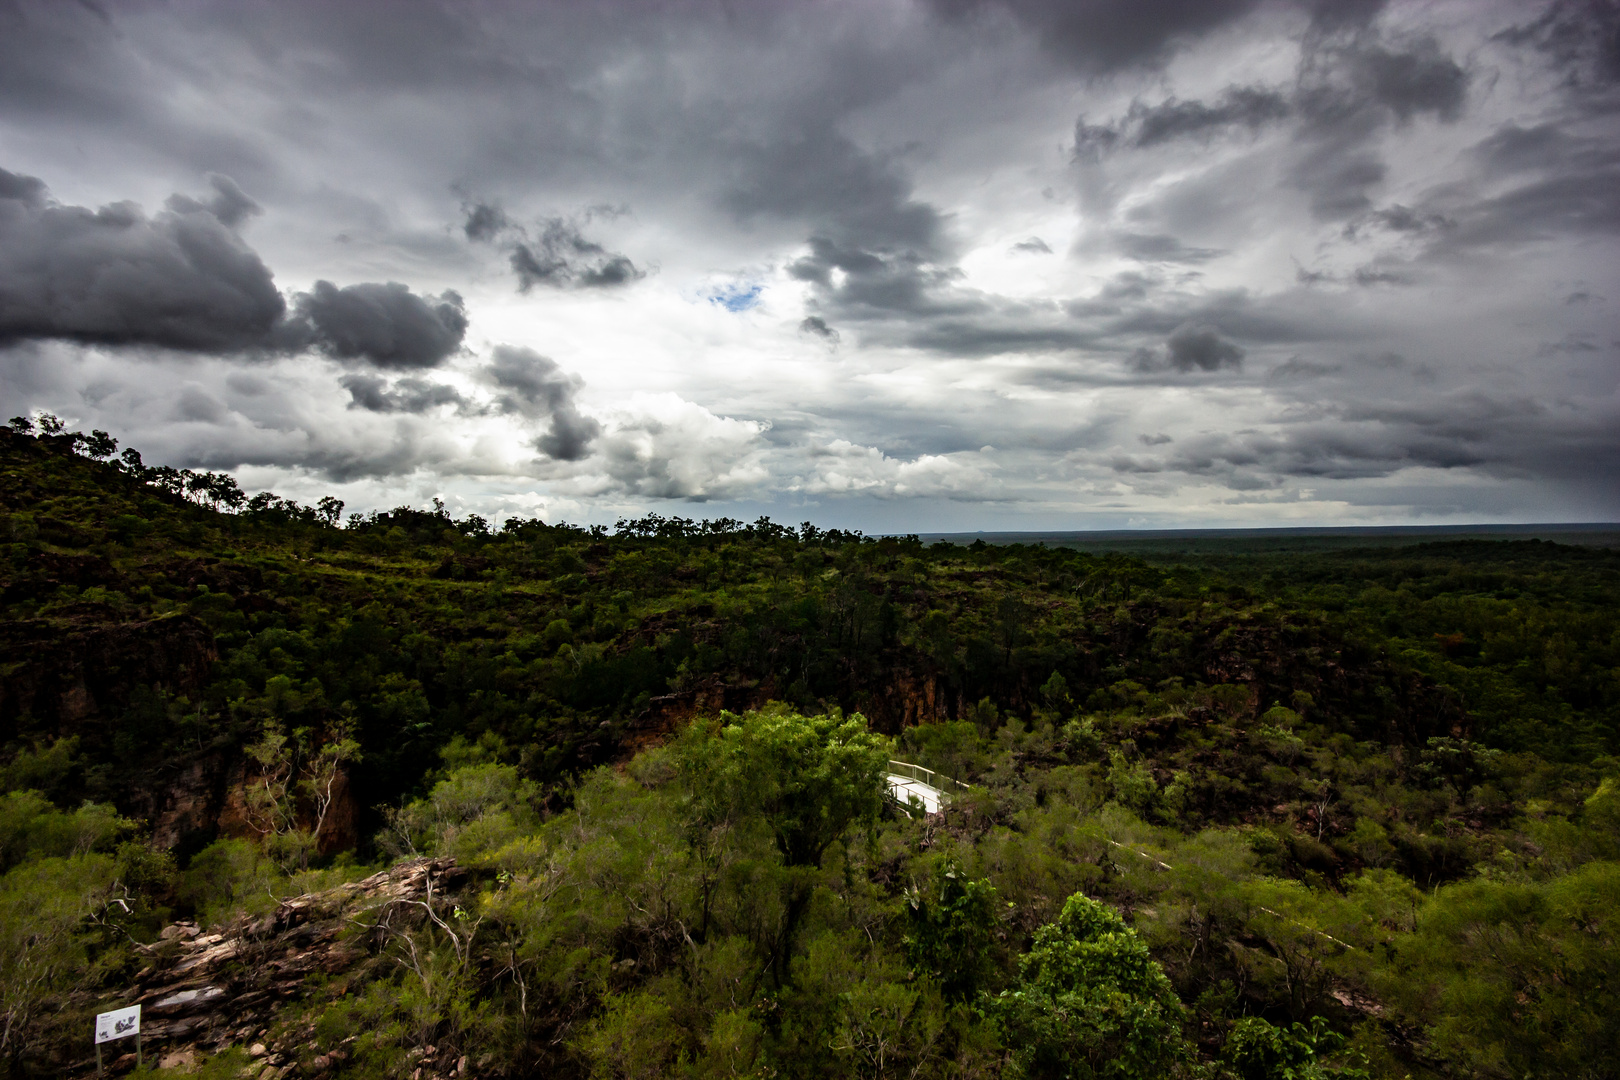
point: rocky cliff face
(67, 673)
(195, 800)
(81, 672)
(203, 992)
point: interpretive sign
(118, 1024)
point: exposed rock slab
(204, 992)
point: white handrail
(922, 775)
(927, 778)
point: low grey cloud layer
(1190, 348)
(182, 280)
(186, 280)
(411, 395)
(912, 264)
(555, 254)
(387, 325)
(1098, 36)
(534, 386)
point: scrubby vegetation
(1350, 813)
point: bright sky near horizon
(897, 265)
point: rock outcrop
(67, 674)
(204, 992)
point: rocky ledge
(204, 992)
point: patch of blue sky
(737, 296)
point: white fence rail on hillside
(918, 790)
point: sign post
(118, 1024)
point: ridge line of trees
(220, 492)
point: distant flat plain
(1170, 545)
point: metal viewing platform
(918, 791)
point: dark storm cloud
(485, 222)
(1368, 276)
(1158, 247)
(557, 255)
(991, 330)
(1512, 148)
(190, 414)
(1100, 36)
(1571, 343)
(1549, 207)
(1548, 182)
(886, 146)
(1399, 219)
(1247, 107)
(1417, 79)
(1580, 40)
(185, 280)
(62, 59)
(1371, 416)
(826, 256)
(1334, 449)
(384, 324)
(821, 176)
(1346, 90)
(1202, 347)
(877, 252)
(380, 456)
(1362, 368)
(1351, 87)
(182, 279)
(1330, 15)
(1465, 429)
(409, 395)
(1162, 311)
(816, 325)
(228, 203)
(1349, 91)
(1190, 348)
(1533, 184)
(1239, 106)
(1298, 369)
(533, 386)
(861, 283)
(1130, 316)
(561, 257)
(1337, 182)
(196, 404)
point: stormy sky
(898, 265)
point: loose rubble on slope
(204, 992)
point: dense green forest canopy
(1308, 813)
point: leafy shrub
(1091, 1002)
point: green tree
(290, 767)
(1258, 1050)
(46, 944)
(471, 815)
(950, 930)
(1091, 1002)
(1519, 979)
(56, 885)
(809, 779)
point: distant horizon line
(1161, 533)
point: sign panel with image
(118, 1024)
